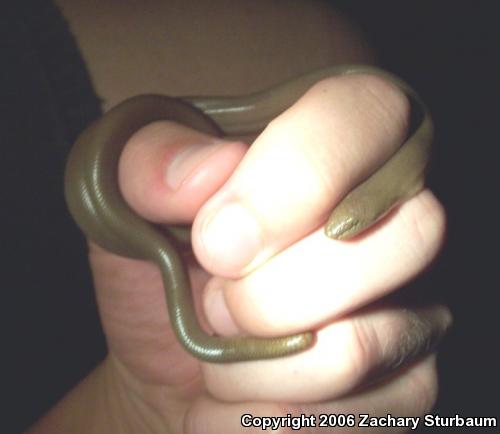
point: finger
(167, 171)
(412, 393)
(298, 169)
(318, 279)
(349, 353)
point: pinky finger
(408, 395)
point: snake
(94, 199)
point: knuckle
(414, 333)
(382, 102)
(365, 350)
(426, 222)
(389, 105)
(391, 340)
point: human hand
(276, 271)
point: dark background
(449, 51)
(50, 335)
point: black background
(447, 50)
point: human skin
(148, 383)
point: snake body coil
(95, 201)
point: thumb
(168, 171)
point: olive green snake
(95, 202)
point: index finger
(304, 162)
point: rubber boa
(95, 202)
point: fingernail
(186, 162)
(231, 237)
